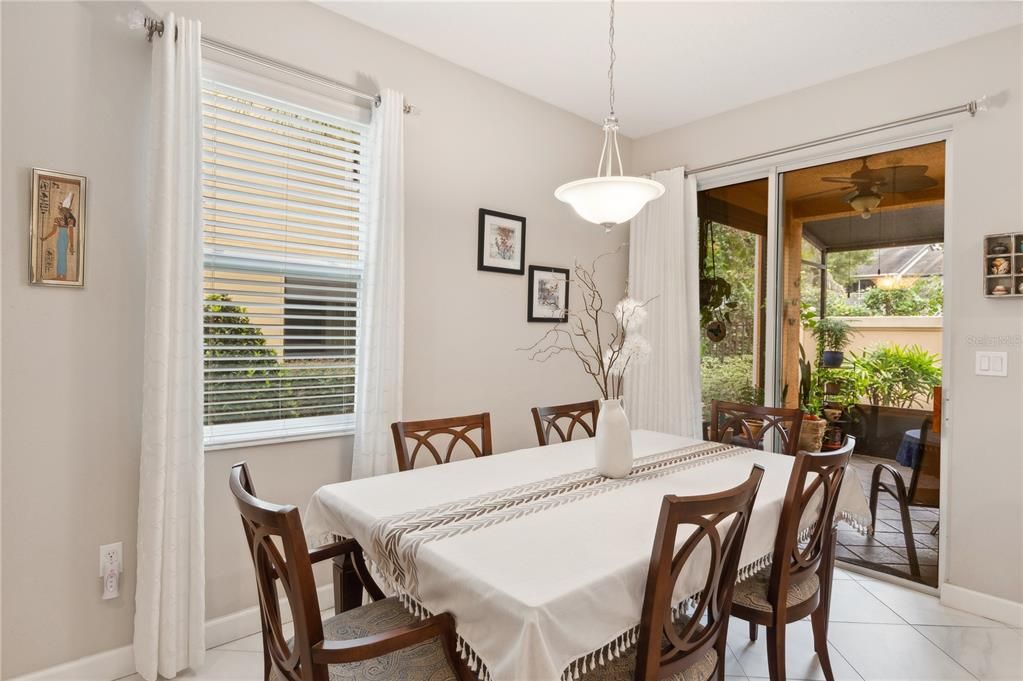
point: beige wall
(74, 98)
(986, 432)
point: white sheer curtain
(169, 596)
(663, 394)
(379, 376)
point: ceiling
(677, 61)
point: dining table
(540, 559)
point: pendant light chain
(611, 68)
(609, 198)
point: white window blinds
(284, 189)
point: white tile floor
(879, 632)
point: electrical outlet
(110, 554)
(110, 567)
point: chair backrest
(280, 554)
(667, 647)
(546, 420)
(749, 425)
(422, 432)
(805, 529)
(925, 483)
(848, 445)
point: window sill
(221, 442)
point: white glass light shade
(609, 200)
(864, 203)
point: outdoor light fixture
(864, 202)
(609, 199)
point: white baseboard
(985, 605)
(246, 622)
(120, 662)
(105, 666)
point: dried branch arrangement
(606, 342)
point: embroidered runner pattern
(396, 540)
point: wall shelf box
(1012, 281)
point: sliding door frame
(774, 169)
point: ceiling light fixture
(609, 199)
(864, 202)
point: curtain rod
(156, 27)
(971, 107)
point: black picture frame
(532, 311)
(490, 220)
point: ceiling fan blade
(849, 180)
(825, 192)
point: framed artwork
(548, 294)
(502, 243)
(57, 231)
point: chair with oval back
(693, 647)
(798, 581)
(923, 490)
(546, 420)
(748, 425)
(422, 432)
(379, 640)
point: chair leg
(776, 652)
(907, 531)
(266, 661)
(934, 530)
(752, 631)
(819, 620)
(875, 482)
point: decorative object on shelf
(57, 229)
(606, 355)
(502, 242)
(1000, 266)
(609, 199)
(548, 294)
(1003, 256)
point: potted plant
(833, 336)
(811, 433)
(894, 385)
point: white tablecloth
(541, 562)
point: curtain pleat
(170, 595)
(663, 394)
(379, 374)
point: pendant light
(609, 199)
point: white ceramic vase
(614, 440)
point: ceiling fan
(869, 185)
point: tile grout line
(928, 639)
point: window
(284, 187)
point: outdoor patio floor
(885, 551)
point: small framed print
(548, 294)
(57, 231)
(502, 243)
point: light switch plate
(992, 363)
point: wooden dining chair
(693, 647)
(748, 425)
(546, 420)
(422, 432)
(922, 492)
(798, 581)
(380, 640)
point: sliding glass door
(733, 287)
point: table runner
(541, 561)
